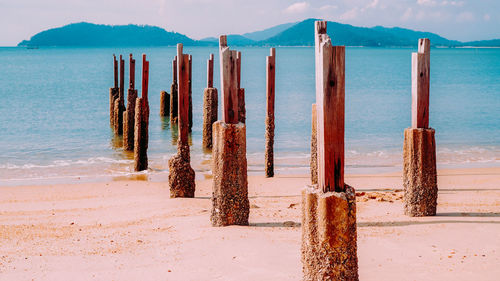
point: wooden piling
(314, 146)
(229, 83)
(329, 247)
(113, 94)
(210, 103)
(270, 90)
(242, 113)
(419, 149)
(181, 176)
(129, 114)
(420, 82)
(173, 93)
(210, 71)
(190, 113)
(230, 204)
(141, 134)
(120, 101)
(164, 104)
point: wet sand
(132, 230)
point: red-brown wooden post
(129, 114)
(420, 80)
(270, 90)
(330, 106)
(229, 85)
(174, 93)
(210, 71)
(122, 79)
(142, 122)
(120, 105)
(230, 204)
(184, 85)
(210, 103)
(113, 94)
(131, 72)
(329, 247)
(181, 176)
(190, 112)
(115, 67)
(419, 149)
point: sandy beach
(132, 230)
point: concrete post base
(329, 241)
(181, 176)
(419, 172)
(230, 204)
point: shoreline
(156, 174)
(129, 230)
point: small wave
(66, 163)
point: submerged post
(329, 248)
(182, 177)
(419, 150)
(210, 104)
(241, 92)
(141, 134)
(113, 94)
(173, 93)
(270, 79)
(120, 101)
(129, 114)
(230, 205)
(190, 113)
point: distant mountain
(88, 34)
(232, 39)
(269, 32)
(302, 34)
(483, 43)
(289, 34)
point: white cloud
(465, 17)
(452, 3)
(297, 8)
(426, 2)
(373, 4)
(328, 7)
(407, 14)
(349, 15)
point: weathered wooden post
(129, 114)
(210, 104)
(120, 101)
(173, 93)
(241, 92)
(181, 176)
(230, 205)
(329, 250)
(419, 150)
(190, 93)
(314, 146)
(113, 94)
(270, 79)
(141, 134)
(164, 104)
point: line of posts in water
(329, 243)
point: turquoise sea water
(54, 119)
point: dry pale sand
(132, 230)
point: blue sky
(455, 19)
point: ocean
(54, 110)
